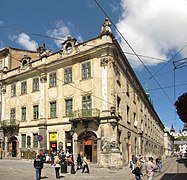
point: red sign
(53, 145)
(89, 142)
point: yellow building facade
(84, 99)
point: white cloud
(61, 31)
(153, 28)
(25, 41)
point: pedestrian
(57, 166)
(132, 162)
(150, 168)
(38, 165)
(73, 166)
(159, 163)
(137, 170)
(85, 164)
(52, 158)
(79, 162)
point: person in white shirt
(150, 168)
(85, 164)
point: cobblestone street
(175, 169)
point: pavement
(23, 169)
(95, 173)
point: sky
(152, 34)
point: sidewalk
(98, 173)
(95, 173)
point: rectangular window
(35, 140)
(69, 107)
(118, 104)
(1, 64)
(23, 140)
(35, 84)
(86, 70)
(23, 113)
(128, 113)
(68, 75)
(86, 106)
(13, 90)
(127, 90)
(12, 113)
(24, 87)
(86, 102)
(53, 110)
(28, 141)
(52, 79)
(134, 97)
(35, 112)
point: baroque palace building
(85, 98)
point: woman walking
(57, 166)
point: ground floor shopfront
(104, 142)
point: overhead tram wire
(30, 33)
(168, 62)
(133, 51)
(56, 38)
(177, 66)
(149, 57)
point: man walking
(38, 165)
(150, 168)
(85, 164)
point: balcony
(84, 114)
(9, 123)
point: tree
(181, 107)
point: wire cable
(133, 51)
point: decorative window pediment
(25, 62)
(69, 45)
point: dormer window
(68, 47)
(25, 61)
(69, 44)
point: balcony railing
(9, 123)
(84, 113)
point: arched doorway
(87, 144)
(12, 146)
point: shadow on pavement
(182, 161)
(169, 176)
(44, 177)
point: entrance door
(88, 152)
(14, 151)
(87, 144)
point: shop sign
(40, 138)
(89, 142)
(68, 144)
(53, 136)
(53, 145)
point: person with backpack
(137, 170)
(38, 165)
(57, 166)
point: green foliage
(176, 147)
(26, 154)
(181, 107)
(181, 138)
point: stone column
(6, 146)
(43, 133)
(42, 110)
(98, 151)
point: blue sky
(153, 28)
